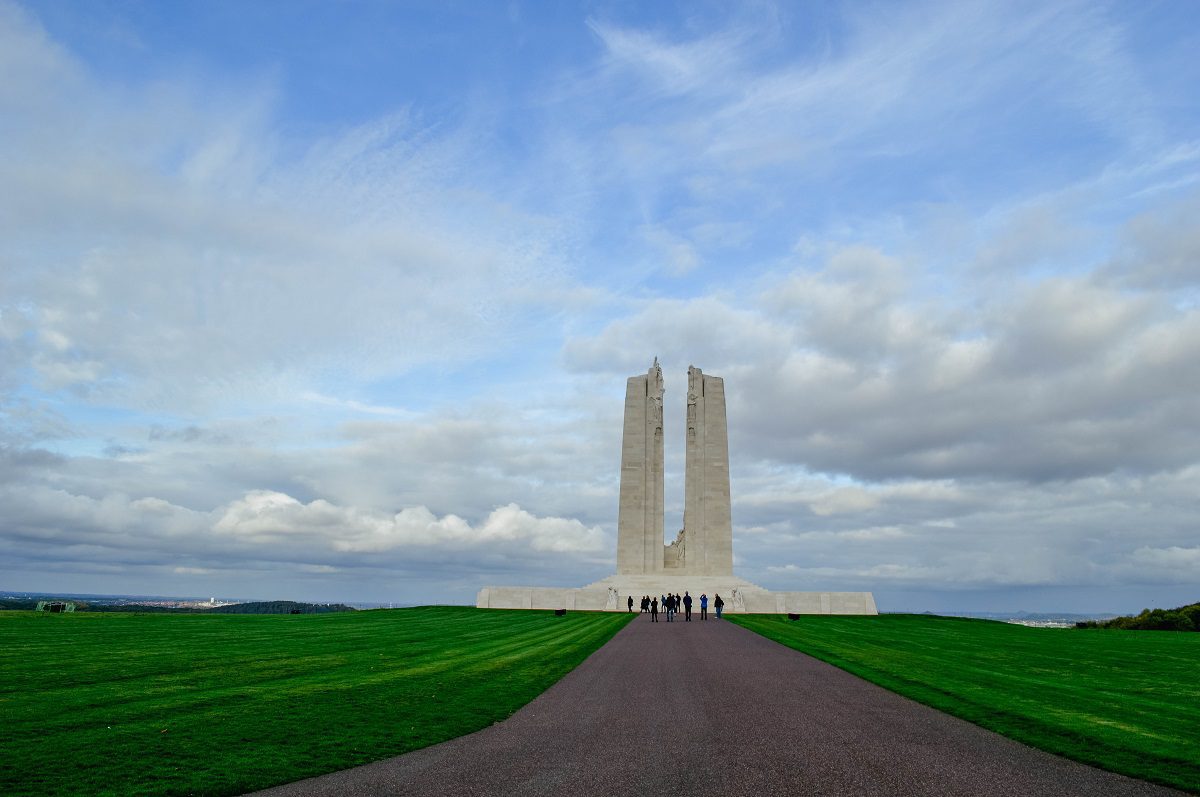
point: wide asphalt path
(709, 708)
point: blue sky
(336, 300)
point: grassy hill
(1125, 701)
(212, 704)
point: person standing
(703, 605)
(654, 610)
(687, 607)
(630, 604)
(718, 604)
(670, 608)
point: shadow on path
(709, 708)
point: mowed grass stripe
(127, 704)
(1127, 701)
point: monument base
(611, 594)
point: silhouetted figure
(718, 604)
(687, 607)
(704, 606)
(631, 604)
(670, 608)
(654, 610)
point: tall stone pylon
(640, 516)
(707, 520)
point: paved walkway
(712, 709)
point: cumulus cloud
(1176, 562)
(264, 517)
(269, 526)
(843, 369)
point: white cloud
(1180, 562)
(841, 369)
(273, 526)
(265, 517)
(676, 252)
(182, 259)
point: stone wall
(753, 601)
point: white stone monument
(700, 560)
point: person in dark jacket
(718, 604)
(687, 607)
(654, 610)
(630, 604)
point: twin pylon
(700, 560)
(704, 547)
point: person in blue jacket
(704, 606)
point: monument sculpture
(700, 559)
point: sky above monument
(336, 301)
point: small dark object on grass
(793, 616)
(559, 612)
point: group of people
(670, 606)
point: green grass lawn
(128, 704)
(1127, 701)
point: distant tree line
(31, 604)
(259, 607)
(279, 607)
(1183, 618)
(84, 606)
